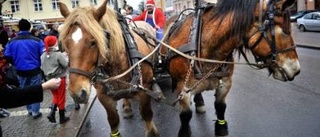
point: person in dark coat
(13, 97)
(3, 37)
(54, 31)
(24, 52)
(13, 34)
(3, 43)
(16, 97)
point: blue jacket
(24, 52)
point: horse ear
(64, 9)
(101, 10)
(287, 4)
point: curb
(77, 118)
(85, 116)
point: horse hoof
(221, 130)
(127, 113)
(200, 110)
(152, 134)
(76, 106)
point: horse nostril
(298, 72)
(83, 94)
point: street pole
(1, 2)
(1, 21)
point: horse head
(270, 39)
(84, 41)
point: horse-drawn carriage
(198, 54)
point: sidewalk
(20, 124)
(307, 43)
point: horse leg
(198, 99)
(113, 117)
(147, 115)
(126, 107)
(199, 103)
(221, 125)
(185, 112)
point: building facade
(307, 5)
(179, 5)
(46, 11)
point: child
(54, 65)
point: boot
(52, 114)
(63, 118)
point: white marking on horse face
(77, 35)
(265, 3)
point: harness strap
(81, 72)
(131, 46)
(271, 24)
(195, 36)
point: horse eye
(93, 44)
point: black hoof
(221, 129)
(185, 132)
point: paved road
(305, 39)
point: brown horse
(261, 27)
(93, 56)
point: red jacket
(158, 17)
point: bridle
(267, 24)
(98, 73)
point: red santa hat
(50, 41)
(150, 3)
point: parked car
(300, 14)
(309, 22)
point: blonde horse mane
(84, 17)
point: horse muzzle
(81, 96)
(287, 72)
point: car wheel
(302, 28)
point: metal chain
(204, 78)
(140, 74)
(186, 91)
(189, 72)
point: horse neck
(217, 40)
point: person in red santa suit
(154, 16)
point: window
(14, 6)
(37, 5)
(93, 2)
(308, 16)
(75, 3)
(55, 5)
